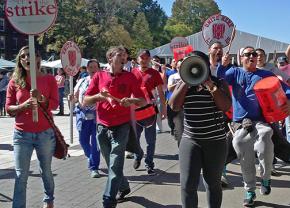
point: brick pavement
(75, 189)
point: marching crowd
(113, 106)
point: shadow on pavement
(7, 174)
(166, 157)
(147, 203)
(4, 198)
(39, 175)
(161, 178)
(8, 147)
(267, 204)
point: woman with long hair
(29, 136)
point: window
(2, 42)
(2, 24)
(2, 6)
(14, 43)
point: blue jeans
(60, 97)
(113, 141)
(24, 144)
(150, 136)
(87, 127)
(88, 141)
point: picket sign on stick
(40, 16)
(71, 58)
(232, 38)
(218, 28)
(33, 74)
(71, 109)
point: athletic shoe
(95, 174)
(249, 199)
(121, 195)
(150, 171)
(136, 164)
(265, 187)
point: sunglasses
(254, 54)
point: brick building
(10, 40)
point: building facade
(10, 40)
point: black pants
(170, 115)
(210, 157)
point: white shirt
(173, 79)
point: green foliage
(141, 34)
(96, 25)
(188, 16)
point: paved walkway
(75, 189)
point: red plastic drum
(271, 97)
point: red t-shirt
(149, 79)
(47, 86)
(120, 86)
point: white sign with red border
(71, 58)
(217, 28)
(178, 42)
(31, 17)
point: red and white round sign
(217, 28)
(71, 58)
(178, 42)
(31, 17)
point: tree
(71, 25)
(190, 13)
(141, 34)
(156, 19)
(96, 25)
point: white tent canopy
(57, 63)
(241, 39)
(6, 64)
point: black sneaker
(249, 199)
(150, 171)
(136, 164)
(121, 195)
(265, 187)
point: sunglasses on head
(249, 54)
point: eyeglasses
(254, 54)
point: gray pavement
(75, 189)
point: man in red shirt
(111, 90)
(148, 80)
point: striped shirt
(202, 119)
(80, 89)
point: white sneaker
(95, 174)
(129, 155)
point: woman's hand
(36, 94)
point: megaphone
(194, 70)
